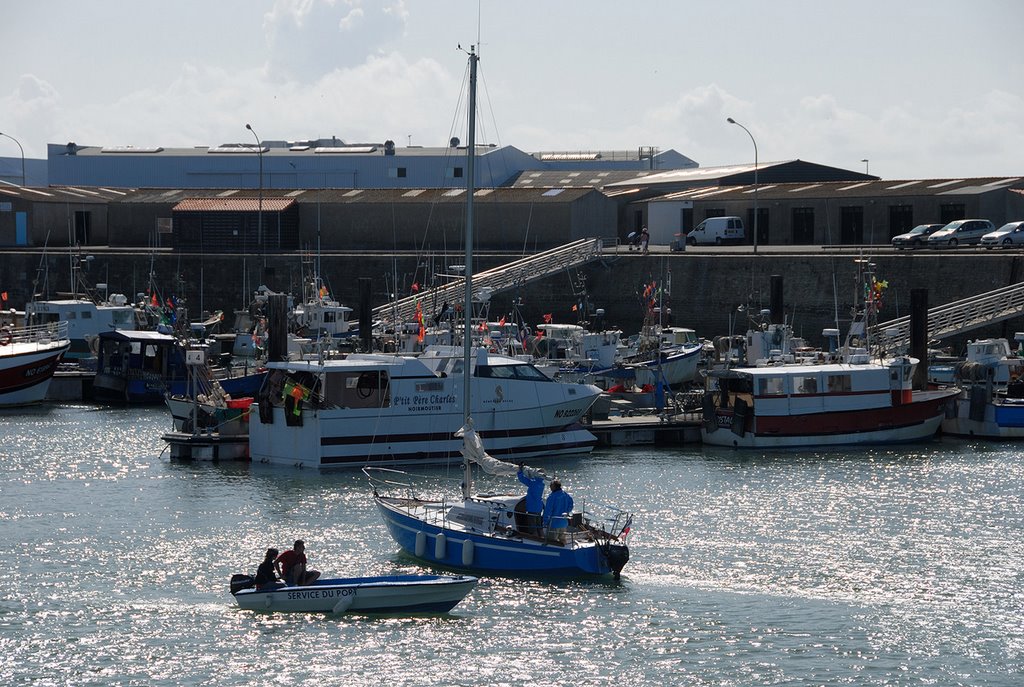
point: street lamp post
(259, 214)
(865, 161)
(733, 121)
(22, 156)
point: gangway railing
(956, 317)
(497, 279)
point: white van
(717, 231)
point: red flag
(574, 308)
(154, 300)
(419, 319)
(3, 296)
(415, 287)
(501, 322)
(548, 318)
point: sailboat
(490, 532)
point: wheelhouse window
(838, 384)
(805, 386)
(522, 371)
(771, 386)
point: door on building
(82, 227)
(951, 212)
(761, 226)
(803, 226)
(851, 225)
(901, 219)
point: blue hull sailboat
(492, 532)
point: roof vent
(389, 147)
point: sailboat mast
(467, 307)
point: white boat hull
(28, 359)
(391, 594)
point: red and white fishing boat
(794, 398)
(28, 359)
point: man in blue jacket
(534, 482)
(556, 512)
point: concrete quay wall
(704, 291)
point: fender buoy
(5, 337)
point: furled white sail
(473, 450)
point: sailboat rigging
(492, 532)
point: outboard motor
(617, 556)
(240, 582)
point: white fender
(439, 546)
(467, 552)
(343, 604)
(421, 544)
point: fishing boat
(794, 399)
(383, 594)
(991, 401)
(491, 532)
(28, 358)
(145, 366)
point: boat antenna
(467, 308)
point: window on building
(396, 172)
(455, 172)
(714, 212)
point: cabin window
(72, 315)
(771, 386)
(839, 384)
(86, 315)
(328, 317)
(512, 372)
(805, 385)
(366, 389)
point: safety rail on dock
(956, 317)
(498, 279)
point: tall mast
(467, 306)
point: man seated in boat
(292, 566)
(556, 511)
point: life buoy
(5, 337)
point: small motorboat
(385, 594)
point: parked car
(962, 232)
(716, 231)
(916, 237)
(1010, 234)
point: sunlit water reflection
(882, 567)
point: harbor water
(894, 566)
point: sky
(919, 88)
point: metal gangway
(956, 317)
(497, 279)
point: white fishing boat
(812, 398)
(28, 359)
(382, 409)
(384, 594)
(491, 532)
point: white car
(962, 232)
(1010, 234)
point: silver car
(916, 237)
(962, 232)
(1010, 234)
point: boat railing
(39, 334)
(603, 519)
